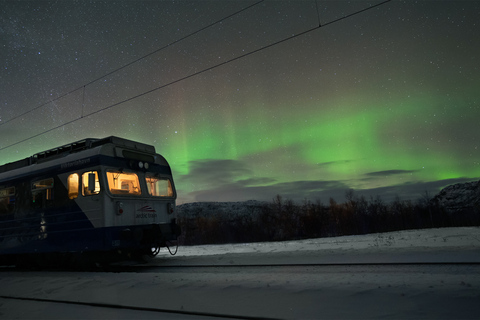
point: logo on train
(146, 212)
(146, 209)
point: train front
(139, 207)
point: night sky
(249, 99)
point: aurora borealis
(384, 102)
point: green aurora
(386, 111)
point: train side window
(123, 183)
(43, 186)
(72, 183)
(90, 183)
(158, 187)
(7, 200)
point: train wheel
(146, 255)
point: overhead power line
(191, 75)
(133, 62)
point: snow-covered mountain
(459, 196)
(454, 198)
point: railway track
(249, 291)
(153, 268)
(139, 268)
(158, 311)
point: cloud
(252, 189)
(411, 190)
(389, 172)
(330, 163)
(232, 180)
(256, 181)
(214, 171)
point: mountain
(459, 197)
(454, 198)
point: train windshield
(158, 186)
(125, 183)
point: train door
(42, 203)
(7, 208)
(85, 198)
(90, 197)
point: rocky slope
(460, 196)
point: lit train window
(123, 183)
(43, 186)
(7, 200)
(90, 183)
(158, 187)
(72, 184)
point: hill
(459, 197)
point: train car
(105, 199)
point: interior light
(140, 164)
(146, 165)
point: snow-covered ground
(427, 245)
(408, 291)
(432, 239)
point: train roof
(74, 147)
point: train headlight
(142, 165)
(119, 208)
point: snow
(427, 238)
(410, 246)
(427, 291)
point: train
(90, 201)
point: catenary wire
(193, 74)
(132, 62)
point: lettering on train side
(75, 163)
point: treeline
(285, 220)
